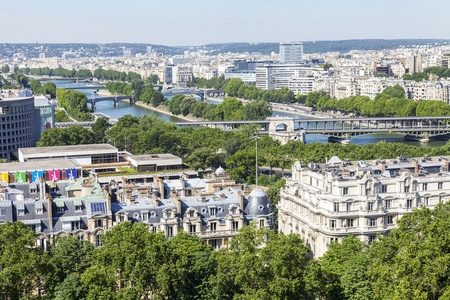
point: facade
(48, 170)
(84, 154)
(277, 76)
(445, 60)
(291, 52)
(18, 120)
(326, 202)
(46, 112)
(168, 75)
(302, 85)
(415, 64)
(214, 209)
(155, 162)
(58, 208)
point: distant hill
(323, 46)
(116, 49)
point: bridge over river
(114, 99)
(340, 130)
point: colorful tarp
(4, 178)
(20, 177)
(54, 175)
(71, 174)
(37, 175)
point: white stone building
(326, 202)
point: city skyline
(179, 23)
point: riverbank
(164, 110)
(104, 93)
(290, 109)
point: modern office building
(277, 76)
(326, 202)
(18, 120)
(291, 53)
(46, 112)
(415, 64)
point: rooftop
(67, 150)
(39, 165)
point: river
(125, 108)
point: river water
(124, 108)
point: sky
(199, 22)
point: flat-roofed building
(84, 154)
(325, 202)
(155, 162)
(32, 171)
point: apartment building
(325, 202)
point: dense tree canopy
(75, 104)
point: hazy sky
(197, 22)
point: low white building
(326, 202)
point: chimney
(160, 184)
(178, 200)
(42, 189)
(241, 200)
(382, 166)
(108, 198)
(183, 187)
(416, 165)
(50, 210)
(156, 201)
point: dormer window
(234, 210)
(191, 214)
(169, 215)
(212, 211)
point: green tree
(22, 266)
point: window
(372, 222)
(233, 210)
(406, 189)
(39, 210)
(121, 218)
(21, 212)
(191, 213)
(350, 222)
(235, 225)
(78, 208)
(213, 227)
(345, 191)
(389, 220)
(440, 185)
(334, 240)
(409, 203)
(336, 207)
(154, 229)
(261, 223)
(424, 186)
(333, 223)
(441, 198)
(145, 217)
(169, 233)
(192, 228)
(388, 203)
(370, 206)
(60, 209)
(384, 188)
(98, 241)
(349, 206)
(425, 201)
(372, 238)
(2, 211)
(368, 191)
(212, 211)
(169, 215)
(98, 223)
